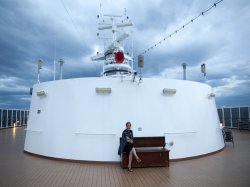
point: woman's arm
(127, 137)
(130, 137)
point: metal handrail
(190, 132)
(33, 130)
(94, 134)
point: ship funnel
(119, 57)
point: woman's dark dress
(124, 145)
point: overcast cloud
(220, 39)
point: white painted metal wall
(75, 122)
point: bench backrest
(156, 141)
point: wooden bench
(151, 151)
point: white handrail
(190, 132)
(30, 130)
(94, 134)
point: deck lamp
(203, 70)
(140, 64)
(61, 62)
(169, 144)
(211, 95)
(39, 66)
(184, 66)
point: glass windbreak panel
(9, 118)
(235, 117)
(26, 117)
(18, 118)
(4, 122)
(0, 118)
(28, 113)
(227, 117)
(244, 116)
(220, 115)
(22, 117)
(14, 117)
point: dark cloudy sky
(220, 39)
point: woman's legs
(131, 153)
(130, 159)
(134, 153)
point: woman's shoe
(130, 170)
(138, 160)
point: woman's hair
(128, 123)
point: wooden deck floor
(230, 167)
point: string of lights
(181, 28)
(71, 19)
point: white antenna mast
(55, 59)
(115, 61)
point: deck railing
(13, 118)
(234, 117)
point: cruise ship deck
(229, 167)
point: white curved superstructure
(83, 118)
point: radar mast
(116, 61)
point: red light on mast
(119, 57)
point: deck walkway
(230, 167)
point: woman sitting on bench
(126, 145)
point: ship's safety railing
(235, 117)
(10, 118)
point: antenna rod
(55, 59)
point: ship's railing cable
(71, 19)
(69, 13)
(180, 28)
